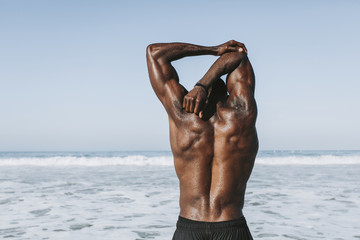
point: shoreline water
(134, 195)
(164, 158)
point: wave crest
(135, 160)
(310, 160)
(142, 160)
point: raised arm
(227, 63)
(163, 76)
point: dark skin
(213, 136)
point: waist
(193, 225)
(202, 212)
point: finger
(238, 44)
(245, 49)
(189, 105)
(192, 105)
(201, 114)
(235, 43)
(185, 100)
(232, 49)
(198, 105)
(242, 49)
(241, 45)
(187, 108)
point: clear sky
(73, 73)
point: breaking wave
(166, 160)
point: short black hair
(218, 90)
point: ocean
(134, 195)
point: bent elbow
(149, 49)
(152, 50)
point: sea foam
(310, 160)
(142, 160)
(135, 160)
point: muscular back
(214, 157)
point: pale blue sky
(73, 73)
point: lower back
(210, 191)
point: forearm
(174, 51)
(223, 65)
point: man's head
(217, 92)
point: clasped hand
(195, 100)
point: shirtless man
(212, 136)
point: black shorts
(187, 229)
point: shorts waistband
(188, 224)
